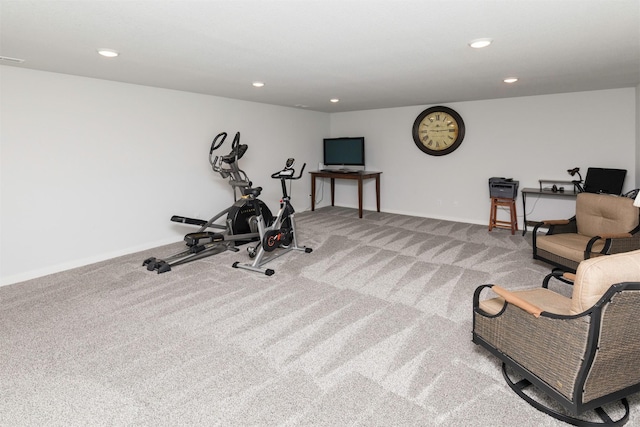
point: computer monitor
(602, 180)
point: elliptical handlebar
(216, 161)
(215, 146)
(227, 165)
(235, 143)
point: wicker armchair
(603, 225)
(582, 352)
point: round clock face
(438, 131)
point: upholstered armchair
(582, 352)
(603, 225)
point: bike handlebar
(284, 174)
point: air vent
(9, 59)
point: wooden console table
(359, 176)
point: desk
(545, 193)
(359, 176)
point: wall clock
(438, 131)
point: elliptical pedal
(152, 263)
(148, 261)
(193, 239)
(156, 264)
(162, 267)
(185, 220)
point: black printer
(505, 188)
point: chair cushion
(567, 245)
(598, 214)
(547, 300)
(596, 275)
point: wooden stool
(493, 220)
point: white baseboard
(34, 274)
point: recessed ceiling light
(334, 100)
(108, 53)
(258, 84)
(480, 43)
(510, 80)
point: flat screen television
(345, 153)
(601, 180)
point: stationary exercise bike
(281, 233)
(240, 225)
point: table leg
(378, 192)
(313, 193)
(333, 190)
(524, 213)
(360, 197)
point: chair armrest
(614, 243)
(512, 298)
(559, 274)
(476, 295)
(555, 222)
(558, 226)
(550, 223)
(626, 244)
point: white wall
(92, 169)
(527, 138)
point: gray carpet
(373, 328)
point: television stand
(357, 175)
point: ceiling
(368, 53)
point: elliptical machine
(240, 226)
(281, 233)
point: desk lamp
(577, 184)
